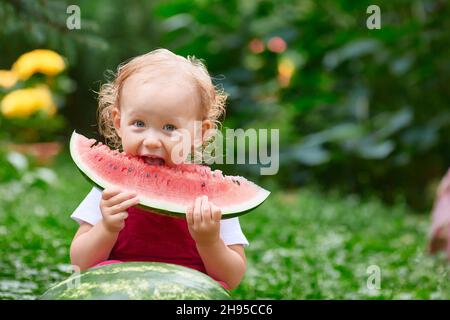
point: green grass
(303, 244)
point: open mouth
(156, 161)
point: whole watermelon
(138, 281)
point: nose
(152, 141)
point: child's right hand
(113, 206)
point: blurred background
(363, 117)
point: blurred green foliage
(37, 128)
(363, 111)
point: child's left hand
(203, 219)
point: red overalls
(152, 237)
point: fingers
(117, 219)
(197, 211)
(190, 215)
(115, 201)
(203, 218)
(122, 206)
(216, 213)
(205, 210)
(113, 206)
(119, 198)
(109, 193)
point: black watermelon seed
(203, 184)
(238, 183)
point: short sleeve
(89, 209)
(231, 232)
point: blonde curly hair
(212, 98)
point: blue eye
(169, 127)
(139, 124)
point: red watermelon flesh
(167, 190)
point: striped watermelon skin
(138, 281)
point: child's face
(152, 112)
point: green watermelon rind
(138, 281)
(166, 208)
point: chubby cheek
(130, 143)
(174, 153)
(178, 149)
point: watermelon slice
(163, 189)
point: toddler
(151, 98)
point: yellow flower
(23, 103)
(7, 79)
(40, 60)
(286, 68)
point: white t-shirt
(89, 211)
